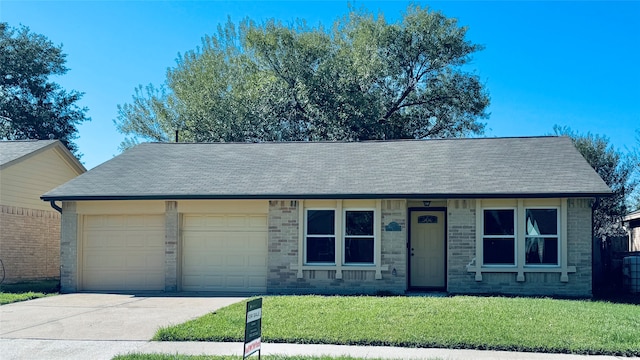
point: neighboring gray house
(497, 215)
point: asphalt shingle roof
(16, 149)
(480, 167)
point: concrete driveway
(101, 316)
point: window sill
(339, 268)
(521, 270)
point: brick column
(172, 233)
(69, 248)
(283, 247)
(579, 244)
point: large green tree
(364, 78)
(617, 169)
(31, 106)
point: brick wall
(579, 247)
(461, 252)
(283, 253)
(69, 248)
(461, 244)
(394, 246)
(282, 246)
(29, 244)
(171, 237)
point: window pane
(541, 250)
(359, 223)
(321, 249)
(321, 222)
(358, 250)
(498, 222)
(498, 251)
(542, 222)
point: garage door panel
(258, 222)
(255, 281)
(258, 261)
(224, 252)
(123, 252)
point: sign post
(253, 328)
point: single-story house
(30, 228)
(632, 223)
(483, 215)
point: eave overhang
(322, 196)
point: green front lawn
(516, 324)
(7, 298)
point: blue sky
(567, 63)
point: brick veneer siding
(283, 252)
(171, 253)
(282, 246)
(394, 246)
(461, 244)
(69, 248)
(29, 244)
(461, 252)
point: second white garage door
(224, 253)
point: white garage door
(224, 252)
(123, 252)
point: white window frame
(301, 266)
(557, 236)
(514, 236)
(563, 268)
(335, 235)
(344, 237)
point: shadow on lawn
(42, 286)
(617, 297)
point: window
(541, 241)
(320, 237)
(498, 237)
(521, 236)
(358, 237)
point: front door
(427, 249)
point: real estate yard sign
(253, 328)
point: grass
(8, 298)
(228, 357)
(10, 293)
(498, 323)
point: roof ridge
(354, 142)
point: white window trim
(557, 236)
(300, 266)
(514, 236)
(335, 236)
(344, 236)
(563, 268)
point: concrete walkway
(25, 349)
(101, 326)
